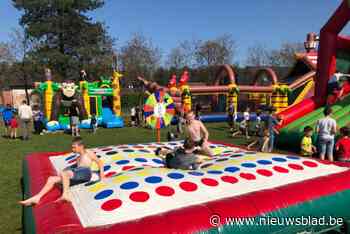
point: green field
(13, 151)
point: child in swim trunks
(181, 157)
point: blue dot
(103, 194)
(153, 179)
(215, 172)
(122, 162)
(136, 169)
(129, 185)
(128, 151)
(196, 173)
(111, 152)
(221, 159)
(236, 155)
(140, 160)
(213, 146)
(264, 162)
(144, 151)
(156, 160)
(279, 159)
(175, 175)
(106, 168)
(248, 165)
(71, 157)
(231, 169)
(293, 157)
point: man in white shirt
(25, 115)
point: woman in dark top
(74, 118)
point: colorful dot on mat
(91, 183)
(140, 160)
(229, 179)
(138, 147)
(248, 165)
(217, 167)
(71, 157)
(137, 169)
(231, 169)
(196, 173)
(221, 159)
(106, 149)
(172, 143)
(280, 169)
(209, 182)
(236, 155)
(111, 173)
(120, 179)
(325, 162)
(156, 160)
(247, 176)
(293, 157)
(264, 172)
(117, 157)
(129, 185)
(143, 173)
(104, 194)
(212, 146)
(144, 151)
(214, 172)
(175, 175)
(310, 164)
(165, 191)
(125, 168)
(128, 151)
(139, 196)
(188, 186)
(106, 168)
(111, 152)
(98, 156)
(111, 205)
(122, 162)
(295, 166)
(97, 187)
(277, 159)
(206, 165)
(264, 162)
(153, 179)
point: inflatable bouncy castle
(99, 98)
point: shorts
(74, 120)
(80, 175)
(184, 162)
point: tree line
(61, 36)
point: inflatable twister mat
(139, 195)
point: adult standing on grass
(198, 133)
(326, 129)
(7, 115)
(272, 122)
(25, 115)
(74, 114)
(77, 174)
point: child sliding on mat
(181, 157)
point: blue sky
(270, 22)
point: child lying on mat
(181, 157)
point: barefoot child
(306, 146)
(342, 147)
(77, 175)
(181, 157)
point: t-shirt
(324, 127)
(344, 147)
(7, 114)
(25, 112)
(306, 146)
(13, 123)
(133, 111)
(246, 116)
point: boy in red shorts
(342, 147)
(14, 126)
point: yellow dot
(120, 178)
(216, 167)
(97, 187)
(217, 150)
(117, 157)
(143, 173)
(249, 158)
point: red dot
(229, 179)
(247, 176)
(188, 186)
(280, 169)
(111, 205)
(264, 172)
(295, 166)
(107, 149)
(127, 168)
(310, 164)
(325, 162)
(111, 173)
(139, 196)
(138, 147)
(165, 191)
(210, 182)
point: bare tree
(139, 57)
(6, 54)
(258, 55)
(285, 56)
(183, 55)
(215, 52)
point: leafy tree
(68, 39)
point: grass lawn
(13, 151)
